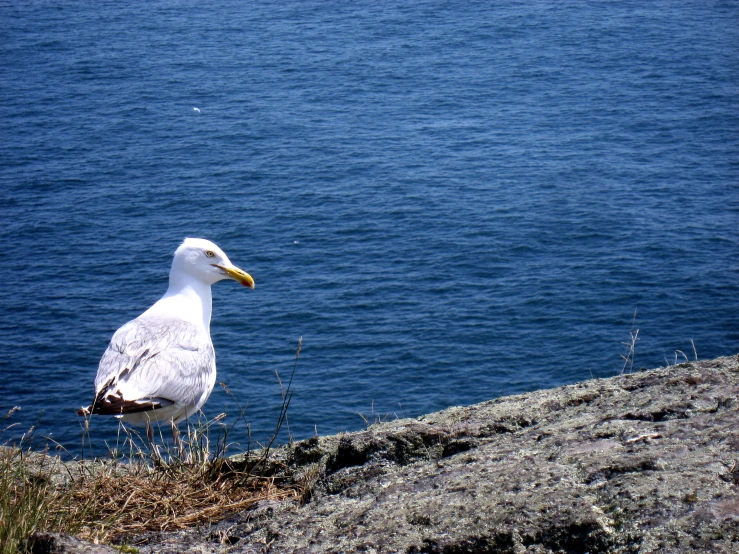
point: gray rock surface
(59, 543)
(639, 463)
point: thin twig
(287, 396)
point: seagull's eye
(210, 253)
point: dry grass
(106, 500)
(115, 502)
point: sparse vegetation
(631, 346)
(28, 497)
(106, 499)
(374, 418)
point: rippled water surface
(447, 201)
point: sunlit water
(447, 201)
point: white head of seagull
(161, 365)
(197, 264)
(203, 261)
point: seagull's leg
(149, 432)
(153, 447)
(176, 440)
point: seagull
(161, 366)
(196, 110)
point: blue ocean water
(447, 201)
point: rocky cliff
(644, 462)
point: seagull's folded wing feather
(151, 362)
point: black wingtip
(116, 406)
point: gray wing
(156, 359)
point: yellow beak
(237, 275)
